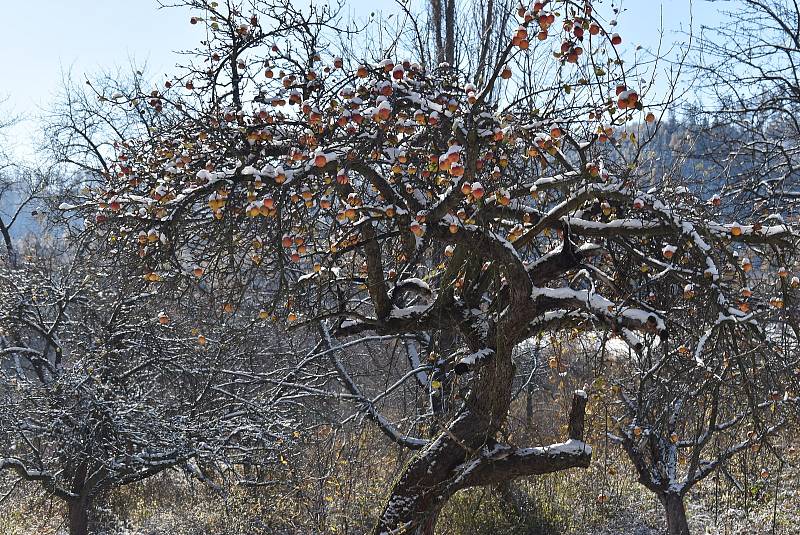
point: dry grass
(340, 481)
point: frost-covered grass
(567, 504)
(338, 486)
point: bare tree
(20, 190)
(102, 388)
(682, 413)
(748, 96)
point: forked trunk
(423, 489)
(464, 455)
(428, 480)
(676, 514)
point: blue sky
(41, 39)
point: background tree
(102, 388)
(21, 189)
(685, 412)
(748, 96)
(727, 387)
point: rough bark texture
(426, 483)
(676, 514)
(450, 32)
(429, 527)
(465, 455)
(436, 16)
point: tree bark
(436, 16)
(78, 507)
(676, 513)
(12, 254)
(78, 513)
(450, 32)
(427, 482)
(465, 455)
(429, 526)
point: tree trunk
(436, 16)
(676, 513)
(450, 32)
(427, 481)
(422, 490)
(79, 515)
(465, 455)
(429, 526)
(78, 508)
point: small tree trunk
(676, 513)
(79, 515)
